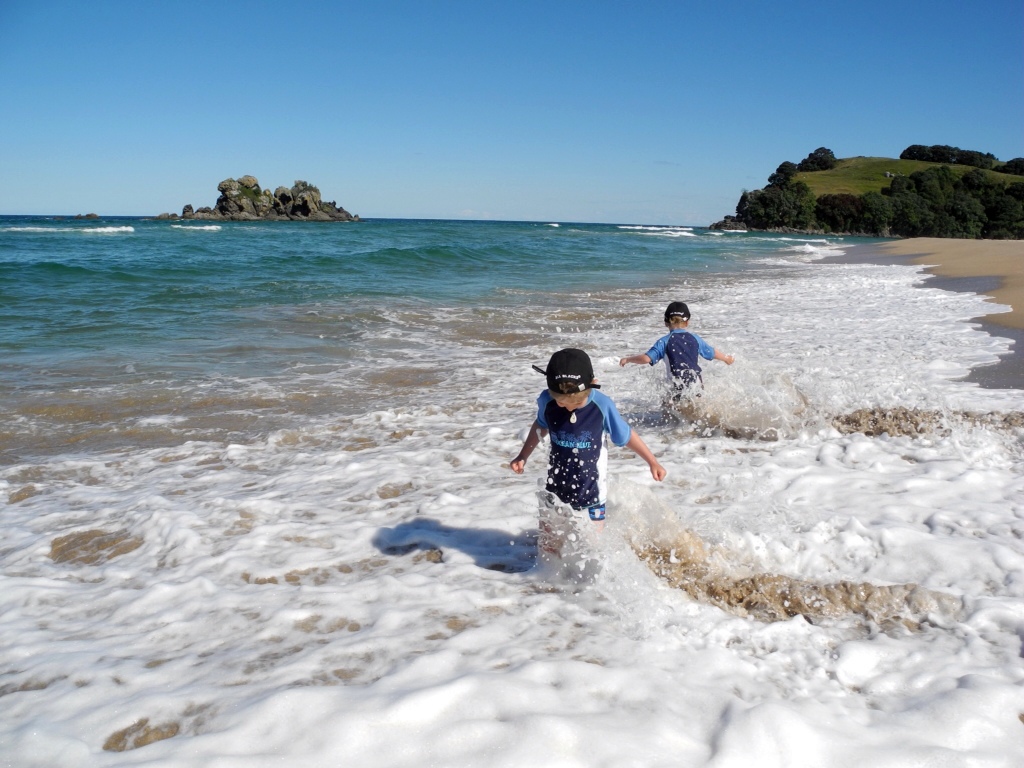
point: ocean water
(257, 507)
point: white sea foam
(85, 230)
(198, 227)
(816, 249)
(650, 228)
(355, 589)
(672, 233)
(661, 231)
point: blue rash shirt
(578, 461)
(682, 348)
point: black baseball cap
(677, 309)
(568, 371)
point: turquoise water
(125, 331)
(139, 288)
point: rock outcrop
(730, 223)
(243, 199)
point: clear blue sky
(630, 112)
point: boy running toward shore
(576, 417)
(681, 349)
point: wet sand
(991, 267)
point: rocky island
(242, 199)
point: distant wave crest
(86, 230)
(816, 249)
(661, 231)
(653, 228)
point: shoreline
(994, 268)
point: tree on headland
(839, 212)
(1004, 218)
(876, 215)
(911, 216)
(789, 206)
(783, 175)
(1014, 167)
(821, 159)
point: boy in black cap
(576, 416)
(681, 348)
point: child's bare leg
(554, 527)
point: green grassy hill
(857, 175)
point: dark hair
(567, 388)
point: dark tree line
(941, 153)
(931, 203)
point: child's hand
(728, 359)
(623, 361)
(658, 472)
(517, 465)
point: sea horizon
(288, 222)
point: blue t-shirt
(578, 462)
(681, 348)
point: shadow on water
(492, 549)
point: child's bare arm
(640, 359)
(518, 464)
(639, 447)
(727, 359)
